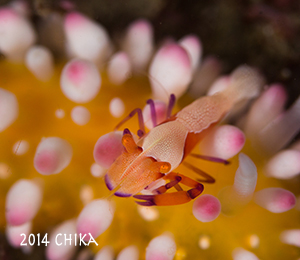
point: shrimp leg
(170, 107)
(207, 177)
(174, 198)
(174, 180)
(209, 158)
(171, 104)
(141, 132)
(150, 102)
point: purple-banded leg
(210, 158)
(171, 104)
(207, 177)
(174, 180)
(141, 131)
(150, 102)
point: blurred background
(262, 33)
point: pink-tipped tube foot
(39, 60)
(242, 254)
(291, 237)
(53, 154)
(119, 68)
(9, 109)
(129, 252)
(276, 200)
(138, 44)
(108, 148)
(13, 234)
(284, 165)
(206, 208)
(170, 72)
(17, 34)
(80, 81)
(23, 201)
(223, 142)
(60, 246)
(162, 247)
(86, 39)
(105, 253)
(193, 46)
(95, 218)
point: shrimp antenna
(15, 153)
(154, 79)
(112, 192)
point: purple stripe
(110, 187)
(107, 182)
(172, 101)
(150, 102)
(121, 194)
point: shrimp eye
(127, 139)
(165, 167)
(129, 143)
(162, 167)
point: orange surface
(38, 102)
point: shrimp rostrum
(156, 154)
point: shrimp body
(134, 171)
(156, 154)
(166, 147)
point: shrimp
(157, 154)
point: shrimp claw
(173, 198)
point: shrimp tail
(246, 83)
